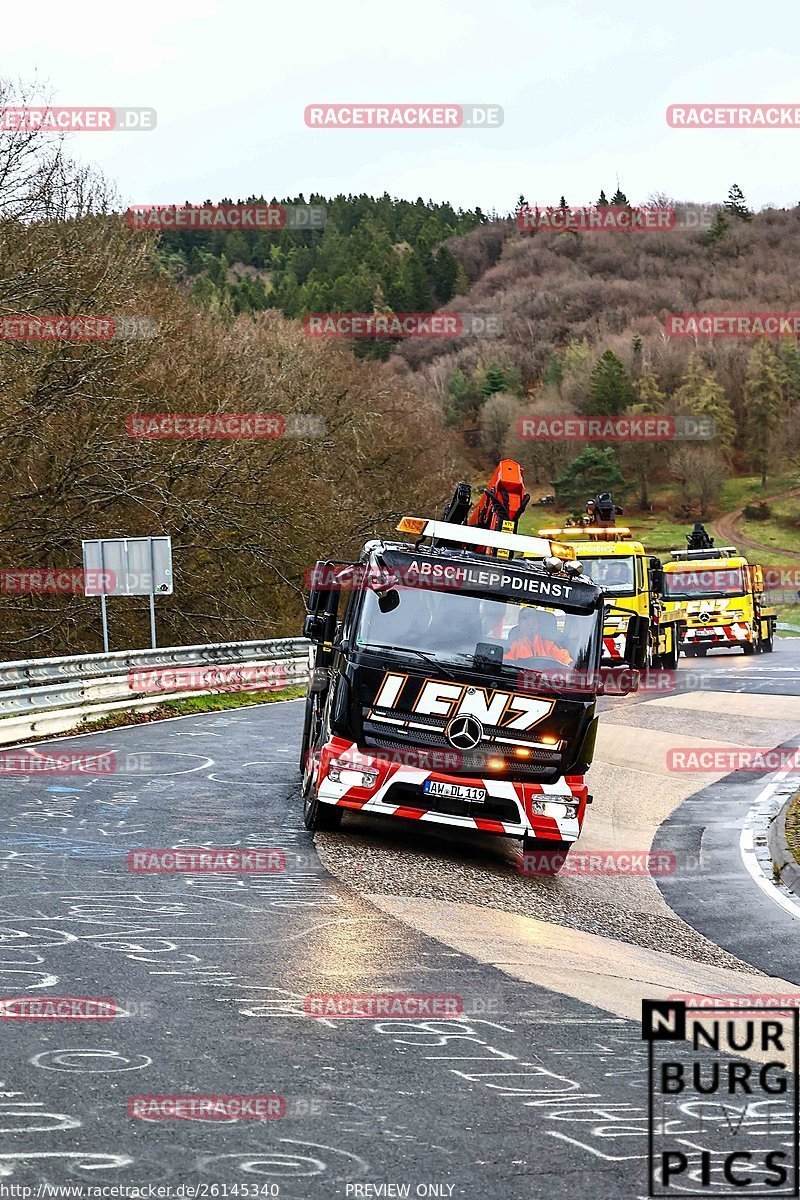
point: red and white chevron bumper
(543, 810)
(718, 635)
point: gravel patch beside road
(406, 864)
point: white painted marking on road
(755, 825)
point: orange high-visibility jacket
(538, 647)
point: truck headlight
(567, 809)
(352, 774)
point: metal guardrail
(92, 666)
(115, 680)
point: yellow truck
(631, 579)
(720, 596)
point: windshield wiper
(432, 662)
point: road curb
(783, 858)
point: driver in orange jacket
(535, 637)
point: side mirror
(618, 681)
(657, 579)
(314, 627)
(327, 581)
(636, 639)
(388, 601)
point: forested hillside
(583, 318)
(247, 518)
(371, 254)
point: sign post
(140, 566)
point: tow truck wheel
(767, 644)
(318, 816)
(309, 719)
(315, 814)
(669, 661)
(749, 648)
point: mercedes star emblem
(464, 732)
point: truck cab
(720, 596)
(631, 580)
(454, 681)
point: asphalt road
(530, 1093)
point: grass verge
(186, 708)
(161, 712)
(793, 827)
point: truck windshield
(698, 583)
(451, 627)
(615, 573)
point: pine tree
(610, 388)
(644, 457)
(602, 202)
(465, 401)
(591, 472)
(445, 273)
(494, 380)
(562, 203)
(619, 197)
(736, 204)
(700, 394)
(790, 364)
(763, 398)
(461, 285)
(716, 232)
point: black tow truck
(453, 679)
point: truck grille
(542, 765)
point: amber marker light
(412, 525)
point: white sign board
(139, 566)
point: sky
(584, 88)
